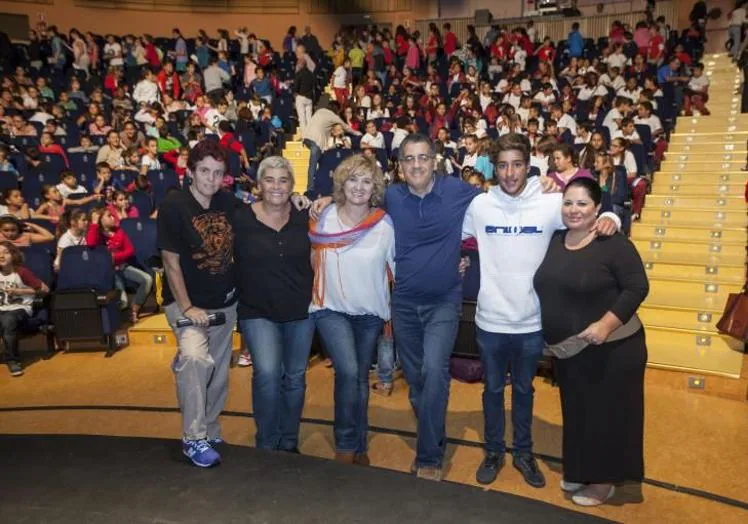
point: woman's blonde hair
(357, 165)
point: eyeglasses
(410, 159)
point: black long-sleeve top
(303, 83)
(576, 288)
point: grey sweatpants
(201, 369)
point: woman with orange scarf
(353, 250)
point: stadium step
(703, 273)
(691, 137)
(706, 189)
(690, 258)
(707, 176)
(651, 232)
(702, 217)
(693, 350)
(715, 253)
(694, 165)
(696, 290)
(725, 202)
(682, 318)
(676, 298)
(710, 156)
(708, 146)
(729, 114)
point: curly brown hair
(204, 149)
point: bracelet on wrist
(186, 310)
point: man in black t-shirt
(196, 239)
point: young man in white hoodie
(513, 223)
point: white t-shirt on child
(66, 191)
(340, 77)
(376, 141)
(68, 239)
(14, 302)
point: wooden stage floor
(695, 449)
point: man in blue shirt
(427, 212)
(670, 74)
(575, 41)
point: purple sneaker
(200, 453)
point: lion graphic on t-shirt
(217, 250)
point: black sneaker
(15, 368)
(528, 466)
(489, 468)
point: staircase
(298, 155)
(692, 239)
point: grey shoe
(430, 473)
(15, 368)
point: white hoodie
(513, 234)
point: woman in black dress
(590, 287)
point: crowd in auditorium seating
(96, 133)
(98, 120)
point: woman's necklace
(582, 242)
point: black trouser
(9, 321)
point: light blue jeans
(386, 359)
(137, 276)
(351, 341)
(280, 352)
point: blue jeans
(315, 154)
(280, 351)
(386, 360)
(498, 351)
(351, 341)
(137, 276)
(425, 335)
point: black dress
(602, 387)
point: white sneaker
(571, 487)
(586, 498)
(244, 360)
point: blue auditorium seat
(143, 202)
(8, 180)
(38, 259)
(83, 163)
(122, 178)
(143, 233)
(161, 182)
(330, 160)
(85, 304)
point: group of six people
(552, 271)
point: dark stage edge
(77, 479)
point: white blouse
(355, 278)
